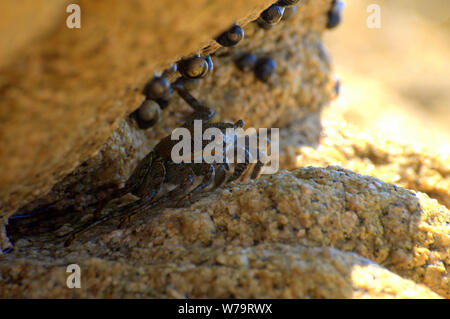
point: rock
(309, 233)
(232, 272)
(64, 91)
(26, 24)
(342, 144)
(303, 84)
(267, 238)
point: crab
(157, 172)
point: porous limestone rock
(64, 91)
(302, 85)
(309, 233)
(342, 144)
(266, 238)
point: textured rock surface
(64, 91)
(312, 232)
(267, 238)
(302, 85)
(22, 24)
(343, 145)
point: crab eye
(157, 88)
(195, 67)
(273, 14)
(287, 3)
(231, 37)
(265, 68)
(147, 114)
(246, 62)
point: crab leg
(207, 170)
(152, 185)
(184, 178)
(201, 112)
